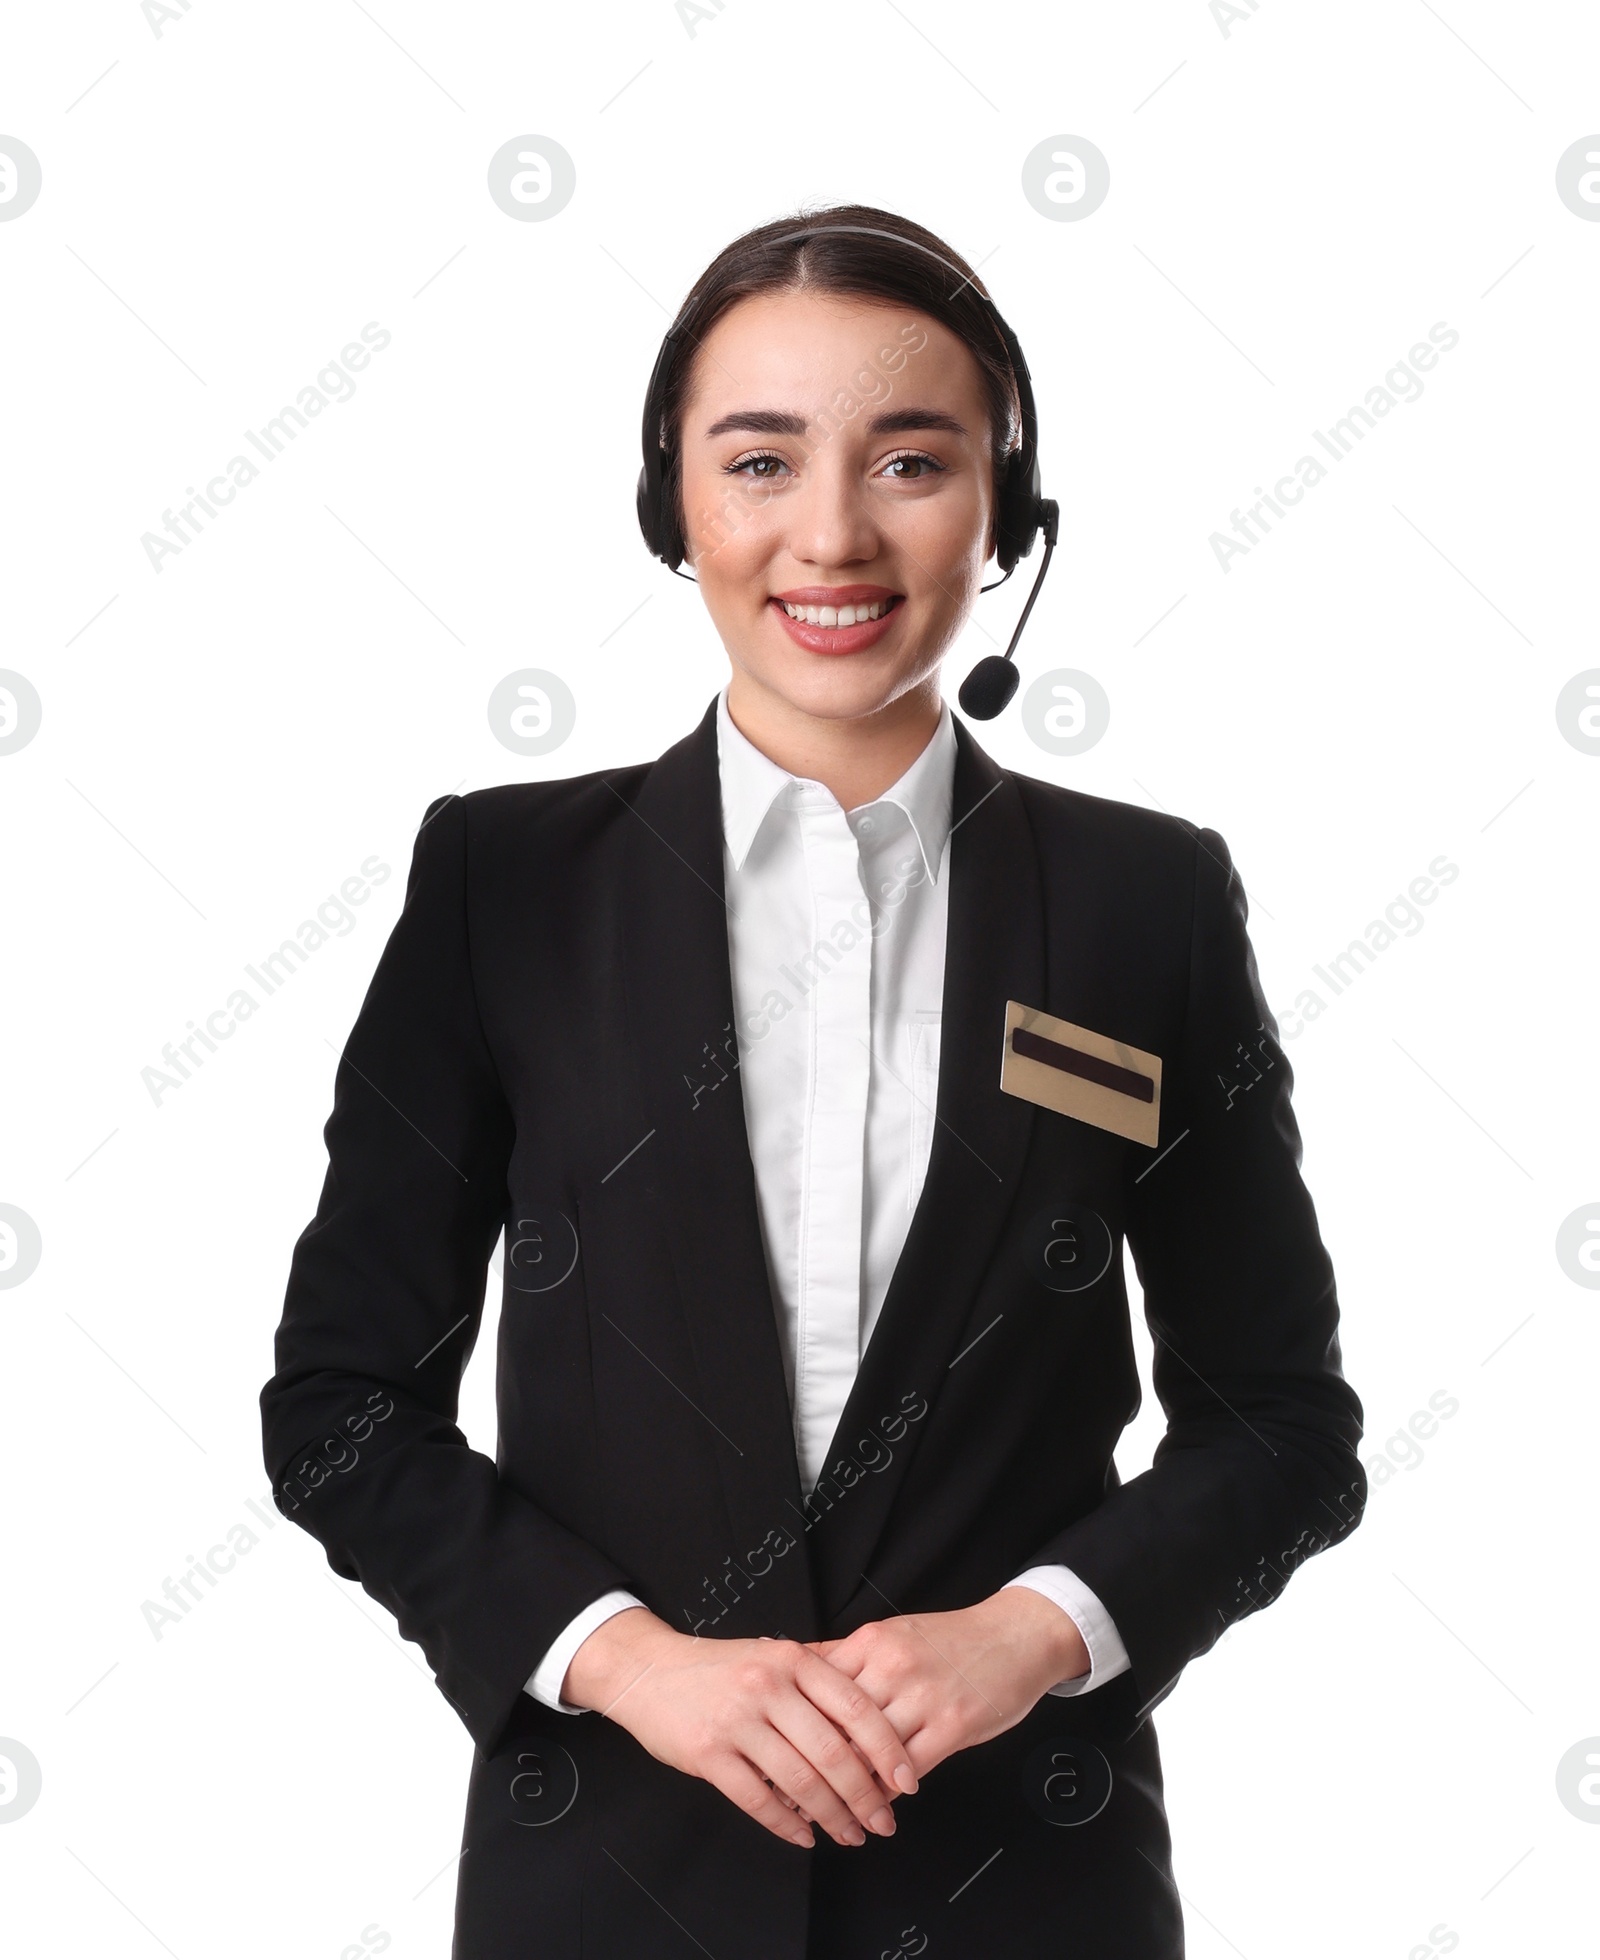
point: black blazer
(547, 1046)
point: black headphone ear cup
(657, 524)
(669, 534)
(1019, 515)
(643, 504)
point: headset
(1022, 513)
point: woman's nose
(830, 520)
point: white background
(1370, 1767)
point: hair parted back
(772, 258)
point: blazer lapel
(678, 989)
(994, 952)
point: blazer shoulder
(564, 805)
(1154, 841)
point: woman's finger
(847, 1703)
(852, 1710)
(798, 1776)
(745, 1785)
(784, 1797)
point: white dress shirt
(836, 931)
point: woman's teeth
(837, 615)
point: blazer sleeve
(1258, 1468)
(384, 1299)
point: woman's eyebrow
(898, 421)
(780, 422)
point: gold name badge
(1081, 1074)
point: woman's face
(836, 461)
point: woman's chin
(833, 687)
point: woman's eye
(908, 468)
(755, 465)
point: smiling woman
(898, 416)
(844, 1352)
(904, 493)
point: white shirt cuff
(1107, 1655)
(544, 1684)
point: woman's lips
(838, 639)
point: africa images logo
(334, 383)
(1402, 383)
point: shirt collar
(752, 783)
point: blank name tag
(1080, 1073)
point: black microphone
(991, 684)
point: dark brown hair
(772, 259)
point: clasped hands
(827, 1731)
